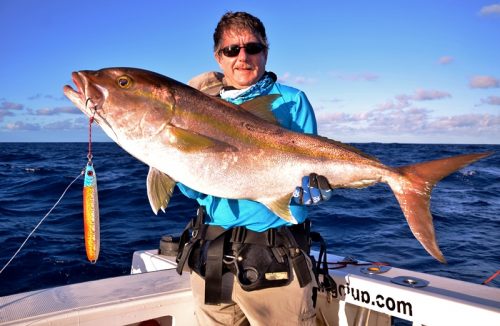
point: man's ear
(218, 58)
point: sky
(425, 71)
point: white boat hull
(164, 296)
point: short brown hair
(239, 20)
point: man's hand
(314, 190)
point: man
(272, 282)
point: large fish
(238, 152)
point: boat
(356, 293)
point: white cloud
(400, 102)
(429, 95)
(484, 82)
(7, 109)
(57, 110)
(417, 122)
(400, 117)
(293, 79)
(491, 100)
(445, 60)
(4, 114)
(68, 124)
(47, 96)
(16, 111)
(340, 117)
(405, 100)
(11, 106)
(490, 10)
(364, 76)
(20, 125)
(471, 122)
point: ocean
(366, 224)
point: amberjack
(240, 152)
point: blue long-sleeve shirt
(294, 112)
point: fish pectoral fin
(261, 107)
(281, 207)
(160, 188)
(188, 141)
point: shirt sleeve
(303, 118)
(190, 193)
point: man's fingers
(297, 195)
(315, 195)
(322, 183)
(324, 187)
(313, 180)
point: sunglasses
(250, 48)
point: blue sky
(375, 71)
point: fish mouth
(84, 96)
(76, 96)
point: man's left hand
(314, 190)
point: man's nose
(242, 56)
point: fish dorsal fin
(281, 207)
(160, 188)
(188, 141)
(261, 107)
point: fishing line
(39, 223)
(89, 163)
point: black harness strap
(299, 262)
(327, 284)
(213, 272)
(185, 248)
(192, 229)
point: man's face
(244, 69)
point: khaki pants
(286, 305)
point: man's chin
(244, 80)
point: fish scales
(240, 152)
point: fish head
(128, 103)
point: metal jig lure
(91, 224)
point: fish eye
(124, 81)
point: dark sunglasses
(250, 48)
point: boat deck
(123, 300)
(359, 292)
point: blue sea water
(366, 224)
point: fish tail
(413, 190)
(91, 225)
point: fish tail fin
(413, 190)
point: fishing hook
(94, 112)
(94, 108)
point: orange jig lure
(91, 214)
